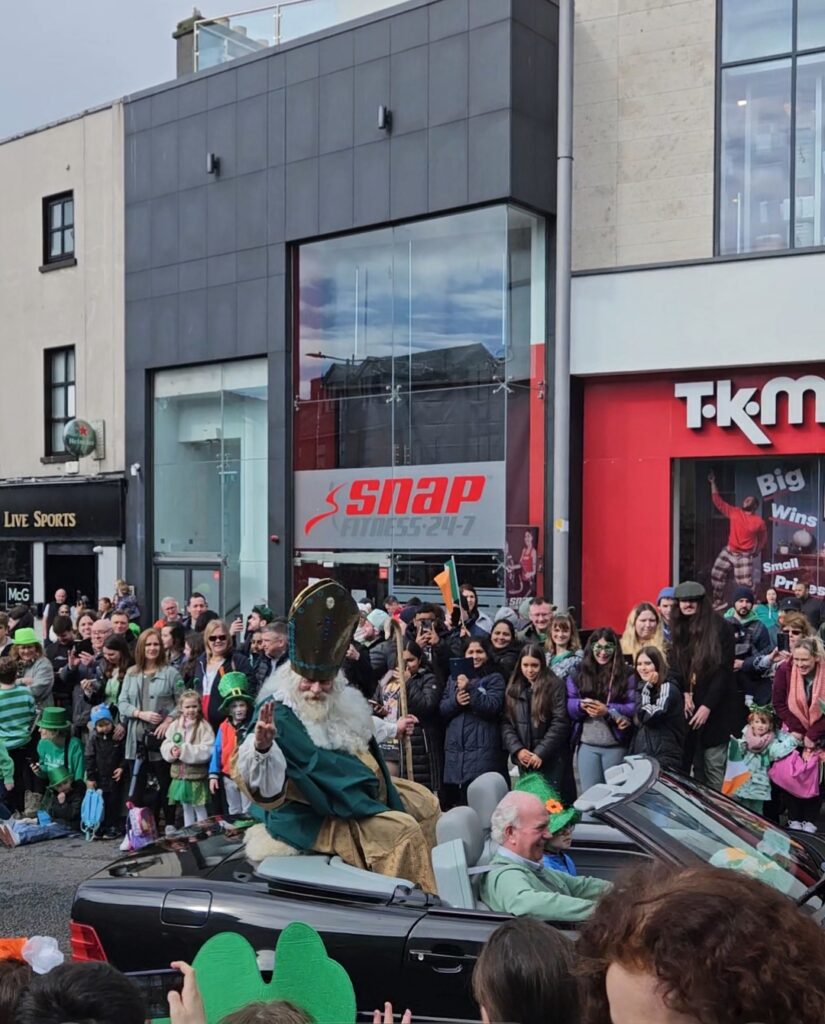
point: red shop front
(649, 445)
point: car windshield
(677, 813)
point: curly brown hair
(727, 949)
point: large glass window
(60, 396)
(772, 129)
(415, 360)
(210, 475)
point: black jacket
(438, 656)
(662, 726)
(472, 744)
(358, 672)
(549, 740)
(103, 756)
(68, 812)
(718, 691)
(427, 740)
(234, 662)
(505, 660)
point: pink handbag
(797, 777)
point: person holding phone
(471, 709)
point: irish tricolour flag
(737, 772)
(447, 583)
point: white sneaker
(795, 826)
(808, 826)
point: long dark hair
(696, 641)
(603, 681)
(196, 649)
(115, 642)
(541, 691)
(658, 659)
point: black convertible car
(397, 942)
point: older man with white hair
(519, 883)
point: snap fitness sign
(749, 409)
(425, 508)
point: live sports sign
(425, 508)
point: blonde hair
(630, 642)
(189, 695)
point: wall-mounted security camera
(97, 549)
(134, 469)
(384, 119)
(213, 164)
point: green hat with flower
(234, 686)
(558, 816)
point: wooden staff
(406, 741)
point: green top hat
(58, 775)
(25, 636)
(233, 686)
(558, 816)
(321, 623)
(134, 628)
(56, 719)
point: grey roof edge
(97, 109)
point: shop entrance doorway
(180, 581)
(74, 568)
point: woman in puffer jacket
(660, 717)
(427, 738)
(536, 728)
(471, 708)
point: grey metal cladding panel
(490, 68)
(137, 158)
(408, 175)
(276, 306)
(336, 52)
(164, 215)
(489, 156)
(372, 183)
(449, 77)
(164, 150)
(137, 285)
(337, 98)
(302, 199)
(220, 217)
(164, 106)
(251, 134)
(251, 206)
(192, 321)
(372, 88)
(412, 28)
(276, 205)
(220, 270)
(164, 335)
(335, 191)
(253, 78)
(276, 127)
(484, 12)
(302, 63)
(448, 18)
(276, 259)
(372, 41)
(253, 263)
(448, 166)
(138, 332)
(535, 74)
(222, 320)
(192, 98)
(192, 151)
(221, 88)
(164, 280)
(541, 16)
(251, 313)
(276, 70)
(409, 89)
(192, 218)
(193, 274)
(220, 137)
(534, 162)
(138, 116)
(302, 120)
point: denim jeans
(38, 833)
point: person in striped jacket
(17, 716)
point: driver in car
(312, 765)
(518, 882)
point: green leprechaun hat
(56, 719)
(233, 686)
(558, 816)
(58, 775)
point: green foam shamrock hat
(558, 816)
(233, 686)
(229, 978)
(58, 775)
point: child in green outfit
(55, 749)
(6, 778)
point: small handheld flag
(447, 583)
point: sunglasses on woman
(218, 636)
(604, 648)
(792, 632)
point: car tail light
(86, 944)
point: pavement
(38, 884)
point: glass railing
(218, 40)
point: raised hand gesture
(265, 731)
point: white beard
(342, 722)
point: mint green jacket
(516, 888)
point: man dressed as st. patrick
(312, 766)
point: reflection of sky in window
(425, 293)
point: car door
(439, 956)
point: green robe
(334, 784)
(516, 888)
